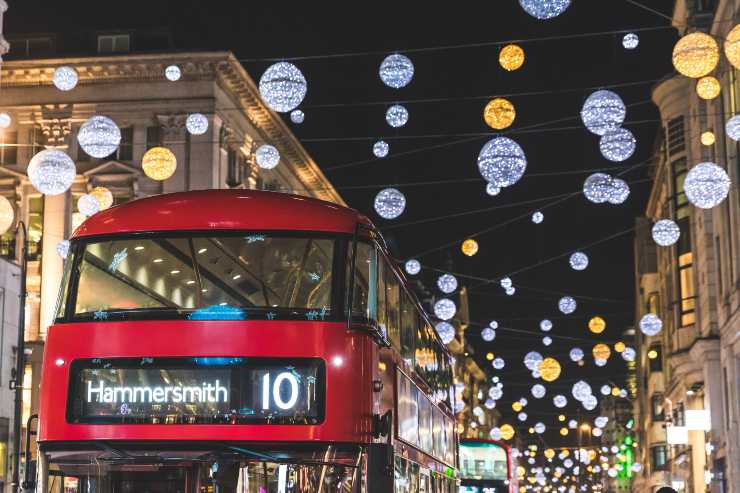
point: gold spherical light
(507, 432)
(470, 247)
(652, 354)
(615, 391)
(597, 325)
(549, 453)
(7, 214)
(708, 87)
(516, 406)
(511, 57)
(104, 196)
(619, 347)
(601, 351)
(159, 163)
(550, 369)
(499, 113)
(707, 138)
(489, 356)
(732, 46)
(561, 417)
(695, 55)
(564, 431)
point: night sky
(345, 109)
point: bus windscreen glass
(483, 461)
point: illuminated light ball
(499, 363)
(488, 334)
(396, 71)
(381, 148)
(459, 407)
(545, 325)
(469, 247)
(87, 205)
(615, 391)
(578, 261)
(560, 401)
(445, 309)
(63, 248)
(547, 340)
(612, 472)
(666, 232)
(652, 354)
(447, 283)
(495, 433)
(707, 138)
(636, 467)
(620, 346)
(196, 123)
(706, 185)
(601, 351)
(495, 393)
(159, 163)
(567, 305)
(532, 360)
(539, 428)
(523, 401)
(538, 391)
(732, 128)
(620, 191)
(606, 390)
(489, 356)
(623, 394)
(650, 324)
(511, 57)
(572, 424)
(564, 431)
(446, 332)
(297, 116)
(397, 116)
(581, 390)
(630, 41)
(506, 282)
(99, 136)
(267, 156)
(7, 214)
(597, 325)
(104, 197)
(576, 354)
(516, 406)
(283, 87)
(522, 416)
(597, 432)
(65, 78)
(549, 453)
(412, 267)
(390, 203)
(5, 120)
(600, 362)
(629, 354)
(550, 369)
(510, 290)
(617, 145)
(492, 190)
(590, 403)
(708, 87)
(603, 111)
(695, 55)
(601, 421)
(499, 113)
(51, 172)
(507, 432)
(502, 162)
(538, 217)
(493, 324)
(732, 46)
(172, 73)
(597, 188)
(544, 9)
(490, 403)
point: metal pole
(20, 363)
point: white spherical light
(490, 403)
(502, 162)
(488, 334)
(576, 354)
(5, 120)
(173, 73)
(445, 309)
(732, 128)
(510, 291)
(581, 390)
(88, 205)
(630, 41)
(598, 188)
(619, 191)
(547, 340)
(397, 116)
(560, 401)
(617, 145)
(606, 390)
(522, 416)
(532, 360)
(538, 217)
(505, 282)
(267, 156)
(590, 403)
(650, 324)
(545, 325)
(63, 248)
(578, 261)
(390, 203)
(51, 172)
(297, 116)
(492, 190)
(499, 363)
(538, 391)
(196, 123)
(396, 71)
(567, 305)
(495, 393)
(539, 428)
(495, 434)
(544, 9)
(493, 324)
(706, 185)
(666, 232)
(603, 111)
(381, 148)
(65, 78)
(283, 87)
(447, 283)
(99, 136)
(412, 267)
(600, 362)
(446, 332)
(629, 354)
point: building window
(659, 457)
(125, 150)
(656, 406)
(31, 47)
(35, 226)
(679, 418)
(153, 137)
(37, 140)
(8, 147)
(676, 136)
(686, 287)
(655, 356)
(114, 43)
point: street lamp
(17, 382)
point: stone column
(173, 138)
(56, 226)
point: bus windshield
(232, 277)
(483, 461)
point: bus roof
(223, 210)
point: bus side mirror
(382, 424)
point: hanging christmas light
(511, 57)
(5, 120)
(488, 334)
(597, 188)
(567, 305)
(603, 111)
(267, 156)
(619, 191)
(99, 136)
(196, 123)
(65, 78)
(732, 128)
(650, 324)
(630, 41)
(499, 113)
(547, 340)
(493, 324)
(538, 391)
(532, 360)
(666, 232)
(539, 428)
(297, 116)
(499, 363)
(381, 148)
(445, 309)
(597, 325)
(619, 346)
(396, 71)
(283, 87)
(545, 325)
(63, 248)
(495, 433)
(446, 332)
(104, 197)
(617, 145)
(87, 205)
(397, 116)
(576, 354)
(581, 390)
(51, 172)
(707, 138)
(159, 163)
(549, 369)
(172, 73)
(708, 87)
(695, 55)
(7, 214)
(447, 283)
(389, 203)
(538, 217)
(492, 189)
(507, 432)
(560, 401)
(706, 185)
(578, 261)
(502, 162)
(544, 9)
(412, 267)
(601, 351)
(629, 354)
(469, 247)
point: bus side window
(364, 300)
(422, 348)
(382, 319)
(393, 307)
(401, 477)
(408, 329)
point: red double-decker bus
(486, 466)
(241, 341)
